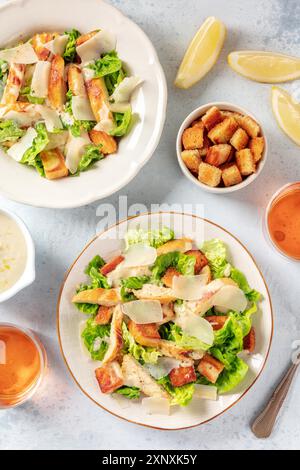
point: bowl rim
(28, 275)
(200, 111)
(158, 125)
(149, 214)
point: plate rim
(158, 133)
(58, 321)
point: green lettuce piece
(216, 253)
(180, 395)
(97, 263)
(94, 339)
(123, 121)
(143, 354)
(231, 377)
(113, 80)
(132, 393)
(240, 279)
(132, 283)
(185, 264)
(245, 318)
(4, 68)
(10, 131)
(108, 64)
(154, 238)
(26, 92)
(173, 332)
(32, 155)
(70, 51)
(92, 154)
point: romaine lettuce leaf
(123, 121)
(26, 92)
(113, 80)
(231, 377)
(92, 154)
(94, 339)
(108, 64)
(185, 264)
(32, 155)
(180, 395)
(10, 131)
(154, 238)
(142, 354)
(70, 51)
(215, 252)
(173, 332)
(240, 279)
(132, 283)
(132, 393)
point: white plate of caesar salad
(82, 101)
(165, 320)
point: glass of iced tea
(22, 365)
(283, 220)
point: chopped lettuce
(92, 154)
(154, 238)
(32, 155)
(97, 280)
(142, 354)
(180, 395)
(216, 253)
(132, 393)
(70, 51)
(94, 339)
(26, 92)
(113, 80)
(108, 64)
(240, 279)
(9, 131)
(231, 377)
(185, 264)
(173, 332)
(123, 121)
(132, 283)
(97, 263)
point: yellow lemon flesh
(202, 53)
(287, 113)
(265, 67)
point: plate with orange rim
(69, 321)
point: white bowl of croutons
(221, 147)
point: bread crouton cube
(257, 146)
(236, 116)
(206, 144)
(218, 154)
(217, 321)
(249, 341)
(250, 126)
(212, 117)
(245, 162)
(210, 368)
(209, 174)
(54, 164)
(182, 375)
(231, 176)
(201, 260)
(167, 278)
(240, 139)
(192, 138)
(145, 334)
(191, 159)
(198, 123)
(222, 132)
(109, 377)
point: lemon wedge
(287, 113)
(202, 53)
(265, 67)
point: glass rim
(27, 394)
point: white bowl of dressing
(17, 255)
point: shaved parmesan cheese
(88, 74)
(17, 150)
(57, 140)
(139, 255)
(24, 119)
(22, 54)
(105, 125)
(231, 298)
(115, 276)
(81, 109)
(51, 117)
(163, 367)
(156, 406)
(58, 44)
(189, 287)
(40, 79)
(120, 107)
(143, 311)
(100, 43)
(199, 328)
(125, 89)
(206, 392)
(75, 149)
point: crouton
(222, 132)
(206, 144)
(54, 164)
(217, 321)
(116, 337)
(210, 368)
(240, 139)
(191, 159)
(236, 116)
(198, 123)
(257, 145)
(100, 296)
(146, 335)
(212, 117)
(168, 313)
(250, 126)
(218, 154)
(192, 138)
(109, 377)
(109, 267)
(104, 315)
(180, 244)
(231, 175)
(209, 174)
(108, 143)
(250, 341)
(200, 258)
(245, 162)
(182, 375)
(170, 273)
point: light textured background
(60, 416)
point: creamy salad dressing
(13, 252)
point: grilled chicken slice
(57, 84)
(135, 375)
(153, 292)
(38, 43)
(106, 297)
(115, 339)
(76, 81)
(168, 313)
(170, 349)
(14, 83)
